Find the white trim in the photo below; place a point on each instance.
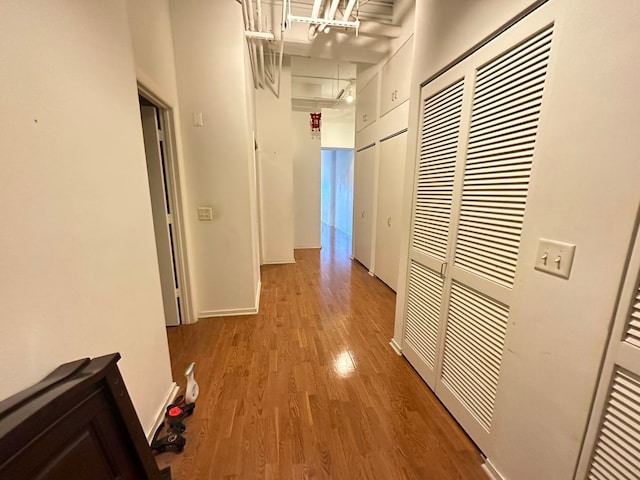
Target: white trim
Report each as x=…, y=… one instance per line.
x=258, y=292
x=396, y=346
x=176, y=189
x=231, y=312
x=371, y=273
x=278, y=262
x=491, y=470
x=173, y=392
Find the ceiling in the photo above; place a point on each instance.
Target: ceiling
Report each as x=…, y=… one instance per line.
x=369, y=45
x=320, y=84
x=375, y=10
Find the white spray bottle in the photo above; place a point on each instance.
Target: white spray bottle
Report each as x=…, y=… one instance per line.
x=192, y=390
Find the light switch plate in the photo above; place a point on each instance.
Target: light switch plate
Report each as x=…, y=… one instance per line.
x=197, y=119
x=205, y=214
x=555, y=257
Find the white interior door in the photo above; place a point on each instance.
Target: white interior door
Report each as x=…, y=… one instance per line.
x=612, y=447
x=390, y=180
x=363, y=190
x=478, y=129
x=162, y=218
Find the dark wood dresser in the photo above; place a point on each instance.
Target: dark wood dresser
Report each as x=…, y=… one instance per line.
x=77, y=423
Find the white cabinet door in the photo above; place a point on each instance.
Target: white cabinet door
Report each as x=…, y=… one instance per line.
x=396, y=78
x=363, y=204
x=367, y=104
x=390, y=181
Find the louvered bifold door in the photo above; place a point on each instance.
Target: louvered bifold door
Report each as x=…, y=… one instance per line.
x=506, y=106
x=612, y=446
x=476, y=148
x=439, y=152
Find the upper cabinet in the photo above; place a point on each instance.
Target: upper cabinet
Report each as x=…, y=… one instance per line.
x=367, y=104
x=396, y=78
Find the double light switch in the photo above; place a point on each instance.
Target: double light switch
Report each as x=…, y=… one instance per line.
x=554, y=257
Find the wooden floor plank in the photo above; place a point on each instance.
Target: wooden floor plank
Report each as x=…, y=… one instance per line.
x=310, y=388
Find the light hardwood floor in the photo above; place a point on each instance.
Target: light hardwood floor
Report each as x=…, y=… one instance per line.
x=310, y=388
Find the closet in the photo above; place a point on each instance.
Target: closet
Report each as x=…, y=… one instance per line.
x=393, y=151
x=367, y=105
x=476, y=145
x=611, y=449
x=363, y=192
x=396, y=75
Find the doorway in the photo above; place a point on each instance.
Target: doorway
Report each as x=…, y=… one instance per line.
x=163, y=187
x=336, y=189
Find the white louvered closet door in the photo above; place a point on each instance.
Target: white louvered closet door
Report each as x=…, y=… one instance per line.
x=469, y=205
x=612, y=447
x=505, y=112
x=439, y=155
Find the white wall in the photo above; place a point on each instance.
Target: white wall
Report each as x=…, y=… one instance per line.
x=306, y=183
x=338, y=128
x=79, y=274
x=211, y=77
x=583, y=191
x=275, y=171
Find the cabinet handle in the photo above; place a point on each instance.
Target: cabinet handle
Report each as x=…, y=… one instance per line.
x=362, y=214
x=443, y=269
x=389, y=221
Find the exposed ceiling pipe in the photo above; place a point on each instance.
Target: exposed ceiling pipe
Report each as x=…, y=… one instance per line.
x=266, y=61
x=250, y=46
x=348, y=10
x=282, y=28
x=330, y=16
x=315, y=12
x=252, y=25
x=261, y=75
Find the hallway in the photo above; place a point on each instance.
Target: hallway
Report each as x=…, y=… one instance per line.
x=310, y=388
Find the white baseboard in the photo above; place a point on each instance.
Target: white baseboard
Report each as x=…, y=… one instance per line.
x=258, y=292
x=307, y=247
x=491, y=470
x=396, y=346
x=278, y=262
x=173, y=392
x=371, y=273
x=232, y=312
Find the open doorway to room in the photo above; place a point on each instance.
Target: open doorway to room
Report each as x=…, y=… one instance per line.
x=336, y=191
x=162, y=172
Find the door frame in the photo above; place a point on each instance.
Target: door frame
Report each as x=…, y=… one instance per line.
x=174, y=190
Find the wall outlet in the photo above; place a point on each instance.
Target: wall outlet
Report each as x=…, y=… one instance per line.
x=205, y=214
x=555, y=257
